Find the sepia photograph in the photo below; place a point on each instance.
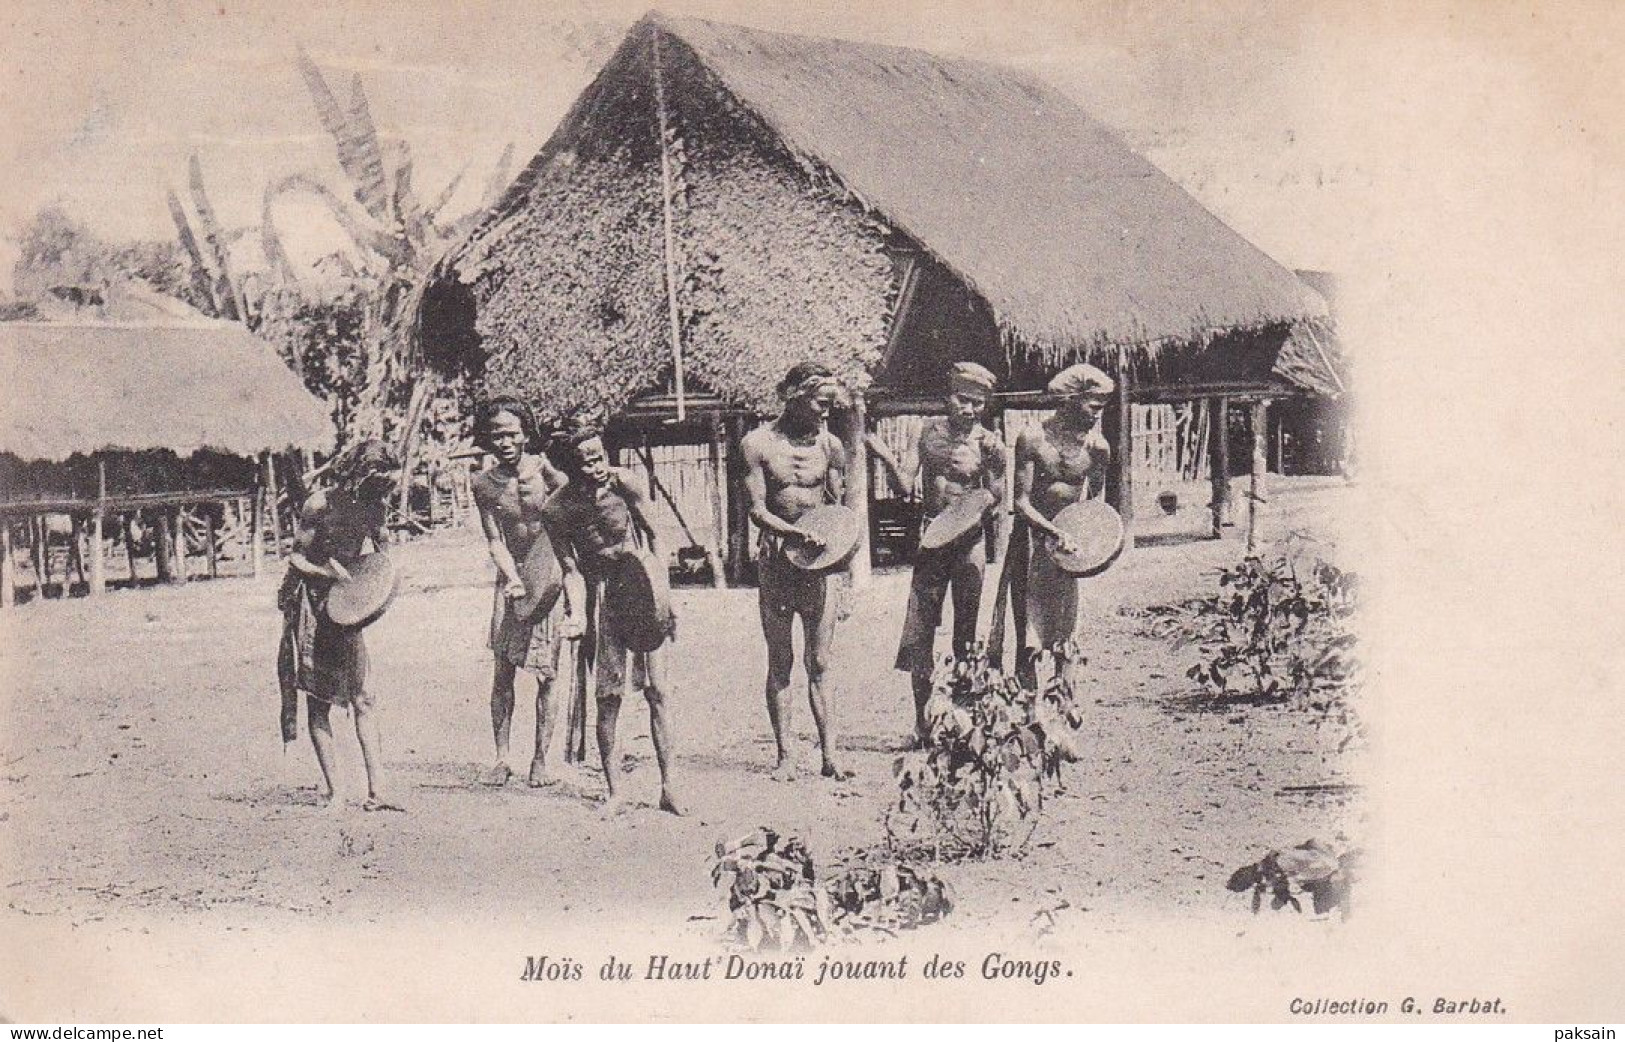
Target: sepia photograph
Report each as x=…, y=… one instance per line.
x=948, y=511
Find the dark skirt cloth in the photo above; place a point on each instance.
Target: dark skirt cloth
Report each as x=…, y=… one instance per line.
x=317, y=657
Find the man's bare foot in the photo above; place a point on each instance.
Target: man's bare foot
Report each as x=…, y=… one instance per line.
x=497, y=776
x=614, y=804
x=669, y=804
x=784, y=770
x=831, y=771
x=376, y=803
x=328, y=801
x=539, y=778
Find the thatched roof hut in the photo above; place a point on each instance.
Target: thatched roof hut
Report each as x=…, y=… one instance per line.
x=133, y=405
x=82, y=387
x=788, y=191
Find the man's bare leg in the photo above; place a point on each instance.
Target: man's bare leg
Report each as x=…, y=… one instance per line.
x=609, y=714
x=321, y=739
x=819, y=634
x=781, y=659
x=660, y=732
x=502, y=700
x=921, y=680
x=546, y=710
x=372, y=757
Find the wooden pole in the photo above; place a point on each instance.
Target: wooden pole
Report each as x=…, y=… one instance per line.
x=668, y=191
x=7, y=578
x=738, y=560
x=1255, y=496
x=212, y=545
x=42, y=555
x=1219, y=462
x=163, y=544
x=181, y=574
x=271, y=504
x=98, y=564
x=1118, y=427
x=76, y=555
x=127, y=527
x=256, y=537
x=857, y=487
x=719, y=511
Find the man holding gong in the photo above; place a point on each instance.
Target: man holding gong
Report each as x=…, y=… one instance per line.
x=794, y=466
x=323, y=657
x=1061, y=463
x=961, y=466
x=596, y=521
x=510, y=495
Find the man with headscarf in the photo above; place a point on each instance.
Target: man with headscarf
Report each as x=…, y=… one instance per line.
x=1061, y=463
x=794, y=464
x=958, y=457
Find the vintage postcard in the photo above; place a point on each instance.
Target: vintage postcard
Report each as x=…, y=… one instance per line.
x=940, y=511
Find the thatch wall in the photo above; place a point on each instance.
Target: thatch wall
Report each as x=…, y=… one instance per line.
x=774, y=267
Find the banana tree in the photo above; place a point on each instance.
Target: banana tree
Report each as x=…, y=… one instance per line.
x=397, y=239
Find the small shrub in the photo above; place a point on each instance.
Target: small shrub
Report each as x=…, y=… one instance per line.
x=778, y=903
x=1310, y=869
x=976, y=789
x=1269, y=635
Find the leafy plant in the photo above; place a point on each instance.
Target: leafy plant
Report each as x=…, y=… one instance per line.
x=1269, y=635
x=777, y=901
x=976, y=788
x=1311, y=869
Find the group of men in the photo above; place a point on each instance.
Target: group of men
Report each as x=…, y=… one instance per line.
x=595, y=515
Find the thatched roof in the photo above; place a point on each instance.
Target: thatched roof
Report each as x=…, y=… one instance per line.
x=169, y=383
x=1072, y=238
x=1077, y=244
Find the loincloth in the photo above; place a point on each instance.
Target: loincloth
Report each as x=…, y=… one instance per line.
x=531, y=645
x=959, y=568
x=784, y=589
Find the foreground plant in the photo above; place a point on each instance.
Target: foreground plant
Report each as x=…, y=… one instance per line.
x=1270, y=635
x=976, y=789
x=777, y=901
x=1311, y=869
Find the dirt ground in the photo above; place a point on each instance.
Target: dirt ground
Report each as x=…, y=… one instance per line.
x=142, y=775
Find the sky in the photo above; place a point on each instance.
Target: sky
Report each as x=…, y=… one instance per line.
x=103, y=102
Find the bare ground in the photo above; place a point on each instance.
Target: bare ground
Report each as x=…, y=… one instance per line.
x=142, y=775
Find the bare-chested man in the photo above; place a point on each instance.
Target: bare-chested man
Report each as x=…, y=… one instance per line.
x=958, y=457
x=1061, y=463
x=793, y=465
x=595, y=520
x=510, y=496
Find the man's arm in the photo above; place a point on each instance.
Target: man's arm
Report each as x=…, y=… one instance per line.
x=835, y=481
x=573, y=585
x=637, y=504
x=497, y=546
x=892, y=465
x=1100, y=459
x=993, y=457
